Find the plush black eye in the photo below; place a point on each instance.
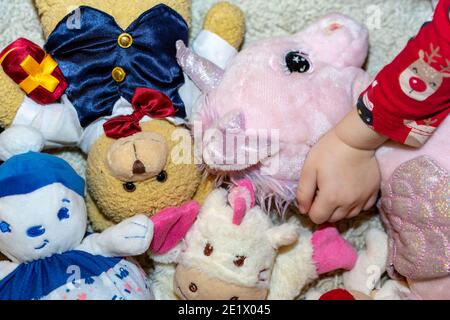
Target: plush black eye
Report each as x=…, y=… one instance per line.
x=415, y=70
x=234, y=298
x=129, y=187
x=193, y=287
x=297, y=62
x=162, y=176
x=208, y=250
x=239, y=261
x=433, y=84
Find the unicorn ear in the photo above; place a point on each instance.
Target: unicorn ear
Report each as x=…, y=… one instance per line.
x=338, y=40
x=283, y=235
x=241, y=198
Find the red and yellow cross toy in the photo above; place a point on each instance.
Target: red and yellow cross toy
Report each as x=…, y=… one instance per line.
x=35, y=71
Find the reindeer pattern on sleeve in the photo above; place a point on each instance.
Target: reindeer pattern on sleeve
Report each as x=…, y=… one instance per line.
x=410, y=97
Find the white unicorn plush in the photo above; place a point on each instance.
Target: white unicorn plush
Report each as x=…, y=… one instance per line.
x=234, y=251
x=42, y=226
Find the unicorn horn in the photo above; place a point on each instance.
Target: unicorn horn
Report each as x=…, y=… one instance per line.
x=205, y=74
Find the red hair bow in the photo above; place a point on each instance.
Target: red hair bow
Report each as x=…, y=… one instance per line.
x=146, y=102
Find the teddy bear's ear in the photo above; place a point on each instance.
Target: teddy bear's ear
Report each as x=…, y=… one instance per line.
x=338, y=40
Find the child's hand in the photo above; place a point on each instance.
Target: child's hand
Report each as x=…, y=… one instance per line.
x=340, y=177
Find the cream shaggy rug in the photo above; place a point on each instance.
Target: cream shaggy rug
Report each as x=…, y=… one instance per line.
x=391, y=24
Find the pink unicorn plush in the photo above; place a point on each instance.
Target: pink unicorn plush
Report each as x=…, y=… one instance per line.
x=259, y=118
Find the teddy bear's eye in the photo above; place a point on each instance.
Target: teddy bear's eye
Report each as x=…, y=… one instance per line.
x=5, y=227
x=297, y=62
x=162, y=176
x=129, y=187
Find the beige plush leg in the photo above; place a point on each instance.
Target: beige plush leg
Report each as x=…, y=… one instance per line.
x=228, y=22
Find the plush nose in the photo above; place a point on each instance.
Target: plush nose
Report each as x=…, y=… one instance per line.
x=138, y=157
x=417, y=84
x=138, y=167
x=35, y=231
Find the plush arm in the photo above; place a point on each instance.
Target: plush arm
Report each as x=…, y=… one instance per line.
x=6, y=268
x=131, y=237
x=371, y=263
x=58, y=122
x=294, y=268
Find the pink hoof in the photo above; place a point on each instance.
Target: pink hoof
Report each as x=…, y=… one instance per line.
x=331, y=251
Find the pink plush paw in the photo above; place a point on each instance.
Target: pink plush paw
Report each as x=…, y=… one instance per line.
x=171, y=225
x=331, y=251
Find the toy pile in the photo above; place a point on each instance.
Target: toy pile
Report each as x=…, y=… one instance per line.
x=158, y=120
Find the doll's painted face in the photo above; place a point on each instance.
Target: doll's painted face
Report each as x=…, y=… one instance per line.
x=49, y=220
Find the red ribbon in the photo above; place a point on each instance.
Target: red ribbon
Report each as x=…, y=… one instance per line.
x=146, y=102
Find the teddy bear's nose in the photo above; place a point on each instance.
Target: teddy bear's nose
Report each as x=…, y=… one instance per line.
x=35, y=231
x=137, y=158
x=138, y=167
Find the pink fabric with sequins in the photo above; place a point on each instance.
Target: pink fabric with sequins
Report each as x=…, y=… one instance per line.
x=416, y=211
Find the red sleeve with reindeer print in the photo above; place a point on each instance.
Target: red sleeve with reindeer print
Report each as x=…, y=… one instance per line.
x=410, y=97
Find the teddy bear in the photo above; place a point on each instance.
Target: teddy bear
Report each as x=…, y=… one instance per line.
x=95, y=56
x=261, y=115
x=43, y=234
x=234, y=251
x=143, y=173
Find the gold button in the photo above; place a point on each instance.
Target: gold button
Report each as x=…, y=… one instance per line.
x=125, y=40
x=118, y=74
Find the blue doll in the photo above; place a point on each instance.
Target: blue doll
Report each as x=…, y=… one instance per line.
x=42, y=232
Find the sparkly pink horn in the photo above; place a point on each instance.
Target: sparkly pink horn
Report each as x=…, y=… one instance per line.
x=205, y=74
x=241, y=199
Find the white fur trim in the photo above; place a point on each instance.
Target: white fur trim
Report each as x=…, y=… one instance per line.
x=212, y=47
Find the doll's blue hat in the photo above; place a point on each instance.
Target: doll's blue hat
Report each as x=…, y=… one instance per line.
x=25, y=173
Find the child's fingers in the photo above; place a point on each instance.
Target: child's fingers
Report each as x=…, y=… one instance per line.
x=354, y=212
x=321, y=209
x=371, y=202
x=339, y=214
x=306, y=189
